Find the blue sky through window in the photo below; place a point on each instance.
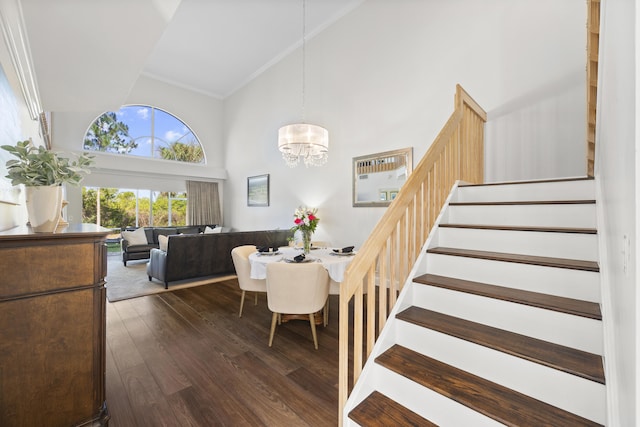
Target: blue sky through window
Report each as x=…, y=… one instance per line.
x=154, y=129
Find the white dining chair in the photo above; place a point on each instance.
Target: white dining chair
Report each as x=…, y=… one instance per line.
x=240, y=256
x=334, y=289
x=294, y=288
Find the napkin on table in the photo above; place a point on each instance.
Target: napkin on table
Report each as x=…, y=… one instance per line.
x=267, y=249
x=345, y=250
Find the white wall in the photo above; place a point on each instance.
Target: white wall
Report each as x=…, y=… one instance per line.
x=381, y=78
x=202, y=113
x=384, y=77
x=617, y=173
x=15, y=125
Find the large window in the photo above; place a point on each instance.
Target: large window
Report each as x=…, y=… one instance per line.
x=141, y=130
x=122, y=208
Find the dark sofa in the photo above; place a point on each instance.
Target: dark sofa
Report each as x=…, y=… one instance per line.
x=136, y=252
x=200, y=255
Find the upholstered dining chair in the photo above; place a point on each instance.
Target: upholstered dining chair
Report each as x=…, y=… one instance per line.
x=240, y=256
x=294, y=288
x=334, y=289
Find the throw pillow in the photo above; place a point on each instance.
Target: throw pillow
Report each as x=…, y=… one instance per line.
x=209, y=230
x=137, y=237
x=163, y=241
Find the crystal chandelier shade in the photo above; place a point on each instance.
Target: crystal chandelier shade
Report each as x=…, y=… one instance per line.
x=309, y=142
x=301, y=140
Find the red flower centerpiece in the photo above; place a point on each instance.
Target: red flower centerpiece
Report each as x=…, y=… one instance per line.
x=306, y=221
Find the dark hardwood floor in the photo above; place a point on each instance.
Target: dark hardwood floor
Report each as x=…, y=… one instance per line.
x=184, y=358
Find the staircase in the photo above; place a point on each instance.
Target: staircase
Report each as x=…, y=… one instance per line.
x=501, y=324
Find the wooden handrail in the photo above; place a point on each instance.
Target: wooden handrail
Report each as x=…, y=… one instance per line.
x=593, y=40
x=387, y=256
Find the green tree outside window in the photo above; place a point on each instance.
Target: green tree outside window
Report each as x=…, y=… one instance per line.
x=141, y=130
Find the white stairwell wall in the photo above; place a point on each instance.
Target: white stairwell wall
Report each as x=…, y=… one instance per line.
x=580, y=396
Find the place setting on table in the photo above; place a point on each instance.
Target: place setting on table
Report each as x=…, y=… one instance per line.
x=346, y=251
x=335, y=260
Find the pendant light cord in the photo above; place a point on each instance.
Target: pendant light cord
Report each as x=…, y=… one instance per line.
x=304, y=54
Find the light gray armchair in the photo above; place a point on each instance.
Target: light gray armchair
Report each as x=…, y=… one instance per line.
x=156, y=266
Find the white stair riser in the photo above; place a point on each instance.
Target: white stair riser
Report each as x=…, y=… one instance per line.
x=576, y=284
x=584, y=334
x=563, y=190
x=577, y=216
x=560, y=328
x=558, y=245
x=569, y=392
x=427, y=403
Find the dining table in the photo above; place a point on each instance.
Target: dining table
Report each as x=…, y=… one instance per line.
x=334, y=262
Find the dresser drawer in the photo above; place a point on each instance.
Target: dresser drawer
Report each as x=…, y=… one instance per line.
x=30, y=270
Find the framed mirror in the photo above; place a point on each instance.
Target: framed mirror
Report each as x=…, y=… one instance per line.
x=377, y=178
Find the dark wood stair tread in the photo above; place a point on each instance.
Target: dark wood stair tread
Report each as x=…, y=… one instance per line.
x=493, y=400
x=573, y=264
x=576, y=307
x=526, y=203
x=565, y=359
x=378, y=410
x=536, y=181
x=523, y=228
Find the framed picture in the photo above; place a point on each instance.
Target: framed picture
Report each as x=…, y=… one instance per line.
x=382, y=196
x=258, y=190
x=392, y=195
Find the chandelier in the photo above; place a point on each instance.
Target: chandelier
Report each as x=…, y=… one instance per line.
x=301, y=140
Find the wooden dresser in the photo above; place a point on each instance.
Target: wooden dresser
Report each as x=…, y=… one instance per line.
x=52, y=327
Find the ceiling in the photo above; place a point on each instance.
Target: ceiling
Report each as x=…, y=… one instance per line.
x=218, y=46
x=88, y=54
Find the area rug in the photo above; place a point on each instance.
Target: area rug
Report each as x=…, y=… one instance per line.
x=132, y=281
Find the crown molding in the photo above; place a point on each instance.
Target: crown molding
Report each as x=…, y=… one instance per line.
x=15, y=37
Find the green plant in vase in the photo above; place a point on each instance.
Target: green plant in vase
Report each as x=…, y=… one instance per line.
x=43, y=172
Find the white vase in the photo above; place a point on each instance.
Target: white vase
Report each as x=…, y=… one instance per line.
x=43, y=207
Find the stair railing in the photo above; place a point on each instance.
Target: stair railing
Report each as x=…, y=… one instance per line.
x=387, y=256
x=593, y=41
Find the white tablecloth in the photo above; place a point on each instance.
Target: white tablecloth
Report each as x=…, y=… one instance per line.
x=335, y=264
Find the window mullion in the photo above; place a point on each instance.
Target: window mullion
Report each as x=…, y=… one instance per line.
x=153, y=132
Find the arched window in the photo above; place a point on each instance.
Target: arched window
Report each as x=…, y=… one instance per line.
x=141, y=130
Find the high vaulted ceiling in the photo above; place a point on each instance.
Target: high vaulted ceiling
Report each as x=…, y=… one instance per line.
x=88, y=54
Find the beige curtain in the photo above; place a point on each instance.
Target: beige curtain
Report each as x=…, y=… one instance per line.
x=203, y=203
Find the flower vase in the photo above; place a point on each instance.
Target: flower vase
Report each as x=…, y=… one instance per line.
x=306, y=241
